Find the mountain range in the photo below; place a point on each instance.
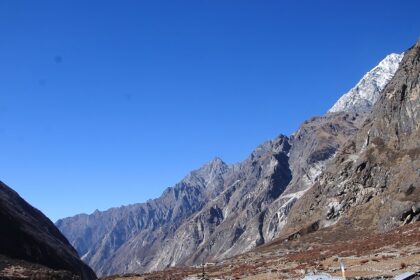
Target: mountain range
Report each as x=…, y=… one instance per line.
x=352, y=174
x=335, y=171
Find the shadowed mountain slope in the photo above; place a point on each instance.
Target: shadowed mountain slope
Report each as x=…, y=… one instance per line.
x=26, y=234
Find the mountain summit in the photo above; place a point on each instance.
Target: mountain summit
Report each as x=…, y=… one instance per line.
x=362, y=97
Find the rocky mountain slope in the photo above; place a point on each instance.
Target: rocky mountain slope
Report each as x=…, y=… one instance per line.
x=222, y=210
x=99, y=236
x=232, y=222
x=373, y=184
x=141, y=235
x=29, y=239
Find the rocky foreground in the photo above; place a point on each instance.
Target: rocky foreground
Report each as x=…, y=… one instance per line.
x=13, y=269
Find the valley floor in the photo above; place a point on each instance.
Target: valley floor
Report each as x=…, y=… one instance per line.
x=12, y=269
x=388, y=254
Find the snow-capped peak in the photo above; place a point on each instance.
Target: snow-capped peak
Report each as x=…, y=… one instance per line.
x=366, y=92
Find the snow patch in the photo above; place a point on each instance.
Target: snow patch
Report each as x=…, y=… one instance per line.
x=367, y=91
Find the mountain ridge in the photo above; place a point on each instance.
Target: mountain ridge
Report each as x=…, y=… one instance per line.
x=248, y=205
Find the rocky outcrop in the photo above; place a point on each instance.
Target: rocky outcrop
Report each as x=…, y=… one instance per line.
x=27, y=235
x=314, y=145
x=373, y=182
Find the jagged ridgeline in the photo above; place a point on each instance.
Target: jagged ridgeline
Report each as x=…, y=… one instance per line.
x=324, y=174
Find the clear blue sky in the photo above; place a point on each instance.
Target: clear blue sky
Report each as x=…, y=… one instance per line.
x=104, y=103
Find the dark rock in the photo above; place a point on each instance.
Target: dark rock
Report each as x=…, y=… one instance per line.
x=26, y=234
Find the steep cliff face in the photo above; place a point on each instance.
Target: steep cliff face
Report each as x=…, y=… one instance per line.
x=314, y=145
x=373, y=182
x=27, y=235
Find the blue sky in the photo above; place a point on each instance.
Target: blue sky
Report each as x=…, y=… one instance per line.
x=105, y=103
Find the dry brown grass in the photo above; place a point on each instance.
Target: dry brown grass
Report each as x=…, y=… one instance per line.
x=379, y=254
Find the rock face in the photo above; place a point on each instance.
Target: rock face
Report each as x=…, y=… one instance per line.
x=27, y=235
x=373, y=182
x=366, y=92
x=314, y=145
x=221, y=210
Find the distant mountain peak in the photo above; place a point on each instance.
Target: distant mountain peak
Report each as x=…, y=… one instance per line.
x=213, y=165
x=366, y=92
x=216, y=161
